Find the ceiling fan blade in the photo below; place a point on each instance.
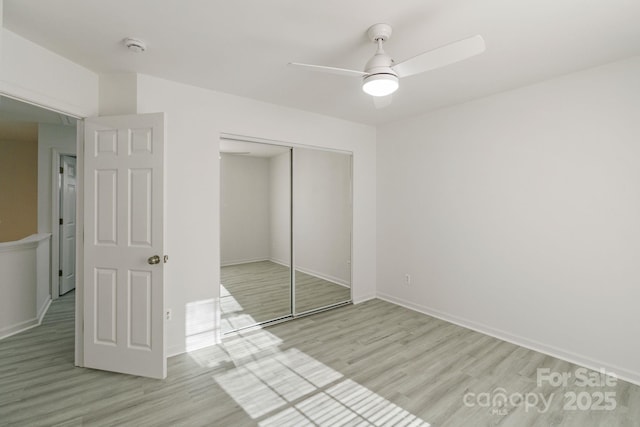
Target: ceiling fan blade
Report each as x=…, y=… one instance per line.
x=332, y=70
x=439, y=57
x=382, y=101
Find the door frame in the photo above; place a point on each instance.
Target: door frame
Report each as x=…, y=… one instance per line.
x=55, y=215
x=79, y=342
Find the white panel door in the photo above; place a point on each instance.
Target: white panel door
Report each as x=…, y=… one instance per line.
x=67, y=224
x=123, y=241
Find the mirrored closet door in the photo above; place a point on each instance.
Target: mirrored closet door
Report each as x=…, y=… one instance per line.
x=255, y=233
x=322, y=209
x=274, y=198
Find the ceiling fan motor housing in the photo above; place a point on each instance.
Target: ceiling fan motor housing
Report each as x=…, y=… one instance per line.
x=379, y=79
x=380, y=63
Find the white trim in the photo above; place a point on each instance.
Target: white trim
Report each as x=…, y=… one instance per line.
x=587, y=362
x=326, y=277
x=25, y=325
x=55, y=226
x=365, y=298
x=243, y=261
x=18, y=93
x=176, y=350
x=280, y=262
x=79, y=343
x=286, y=144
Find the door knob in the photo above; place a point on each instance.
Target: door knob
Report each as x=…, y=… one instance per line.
x=154, y=259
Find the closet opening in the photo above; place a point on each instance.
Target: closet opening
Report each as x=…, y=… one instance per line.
x=285, y=237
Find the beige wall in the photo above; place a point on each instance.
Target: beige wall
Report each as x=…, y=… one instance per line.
x=18, y=189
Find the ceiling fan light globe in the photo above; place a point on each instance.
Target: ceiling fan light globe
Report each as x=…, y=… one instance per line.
x=380, y=84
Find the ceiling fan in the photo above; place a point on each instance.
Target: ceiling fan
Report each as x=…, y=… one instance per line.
x=381, y=73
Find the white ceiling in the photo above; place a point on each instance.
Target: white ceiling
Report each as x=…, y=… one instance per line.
x=242, y=46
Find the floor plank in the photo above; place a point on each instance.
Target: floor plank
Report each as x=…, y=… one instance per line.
x=369, y=364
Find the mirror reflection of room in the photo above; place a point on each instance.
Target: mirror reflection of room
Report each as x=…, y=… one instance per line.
x=322, y=228
x=254, y=233
x=257, y=183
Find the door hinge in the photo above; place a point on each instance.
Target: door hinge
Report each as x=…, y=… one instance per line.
x=61, y=169
x=61, y=222
x=59, y=273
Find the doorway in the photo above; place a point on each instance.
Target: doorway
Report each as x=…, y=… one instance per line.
x=67, y=189
x=54, y=133
x=285, y=218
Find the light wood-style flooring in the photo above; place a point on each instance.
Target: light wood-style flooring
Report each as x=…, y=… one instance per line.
x=260, y=291
x=368, y=364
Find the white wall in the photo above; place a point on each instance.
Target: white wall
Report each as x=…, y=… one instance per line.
x=322, y=214
x=244, y=209
x=117, y=94
x=63, y=139
x=280, y=208
x=517, y=215
x=195, y=118
x=30, y=72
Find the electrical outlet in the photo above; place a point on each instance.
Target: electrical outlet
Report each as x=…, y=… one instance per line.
x=407, y=279
x=167, y=314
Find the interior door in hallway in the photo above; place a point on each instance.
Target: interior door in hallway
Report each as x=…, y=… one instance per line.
x=67, y=224
x=124, y=244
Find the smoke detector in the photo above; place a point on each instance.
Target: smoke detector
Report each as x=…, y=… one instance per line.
x=135, y=45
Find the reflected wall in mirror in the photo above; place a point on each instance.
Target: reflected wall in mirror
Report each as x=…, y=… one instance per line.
x=322, y=221
x=255, y=234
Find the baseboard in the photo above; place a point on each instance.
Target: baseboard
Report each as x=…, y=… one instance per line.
x=43, y=310
x=328, y=278
x=194, y=346
x=175, y=350
x=365, y=298
x=8, y=331
x=322, y=276
x=279, y=262
x=596, y=365
x=242, y=261
x=25, y=325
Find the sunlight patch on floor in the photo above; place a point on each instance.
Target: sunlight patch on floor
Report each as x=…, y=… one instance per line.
x=239, y=349
x=291, y=388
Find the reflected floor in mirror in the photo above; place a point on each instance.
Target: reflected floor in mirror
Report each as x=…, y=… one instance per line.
x=256, y=292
